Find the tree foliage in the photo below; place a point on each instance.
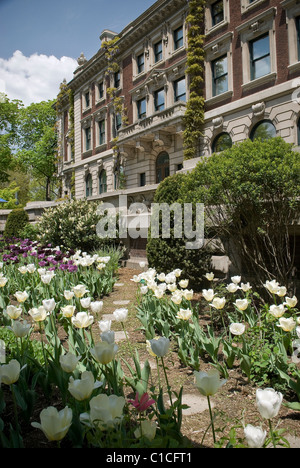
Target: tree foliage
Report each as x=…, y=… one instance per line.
x=9, y=111
x=37, y=142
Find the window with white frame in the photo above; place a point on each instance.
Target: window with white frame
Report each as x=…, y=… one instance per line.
x=178, y=38
x=218, y=68
x=180, y=90
x=159, y=100
x=258, y=46
x=102, y=133
x=216, y=15
x=100, y=90
x=88, y=138
x=141, y=108
x=292, y=8
x=220, y=75
x=140, y=63
x=158, y=51
x=86, y=100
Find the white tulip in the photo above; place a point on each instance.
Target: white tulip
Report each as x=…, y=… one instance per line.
x=236, y=279
x=237, y=329
x=268, y=402
x=49, y=304
x=291, y=301
x=120, y=314
x=208, y=294
x=255, y=436
x=218, y=303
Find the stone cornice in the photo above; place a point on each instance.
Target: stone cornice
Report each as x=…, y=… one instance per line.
x=133, y=32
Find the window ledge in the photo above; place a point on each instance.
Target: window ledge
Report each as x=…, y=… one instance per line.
x=251, y=6
x=101, y=148
x=259, y=81
x=220, y=97
x=216, y=27
x=294, y=67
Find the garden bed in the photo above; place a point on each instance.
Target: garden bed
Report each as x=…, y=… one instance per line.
x=234, y=405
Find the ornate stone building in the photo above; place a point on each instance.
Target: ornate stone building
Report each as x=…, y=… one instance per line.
x=252, y=88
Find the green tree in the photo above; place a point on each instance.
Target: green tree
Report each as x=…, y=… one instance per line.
x=38, y=144
x=9, y=111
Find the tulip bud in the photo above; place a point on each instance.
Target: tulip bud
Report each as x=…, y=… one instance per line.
x=255, y=436
x=160, y=346
x=208, y=383
x=69, y=362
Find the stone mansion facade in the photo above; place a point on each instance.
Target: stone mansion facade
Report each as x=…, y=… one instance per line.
x=252, y=88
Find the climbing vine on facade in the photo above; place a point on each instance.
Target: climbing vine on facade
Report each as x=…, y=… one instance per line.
x=111, y=50
x=194, y=116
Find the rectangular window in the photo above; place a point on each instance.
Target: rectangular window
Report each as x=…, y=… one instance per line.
x=217, y=12
x=101, y=132
x=220, y=76
x=140, y=63
x=101, y=89
x=158, y=51
x=143, y=179
x=87, y=99
x=159, y=100
x=88, y=139
x=141, y=108
x=178, y=38
x=298, y=36
x=260, y=57
x=118, y=123
x=117, y=79
x=180, y=90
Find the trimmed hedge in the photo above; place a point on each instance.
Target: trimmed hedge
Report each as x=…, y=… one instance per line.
x=166, y=255
x=16, y=221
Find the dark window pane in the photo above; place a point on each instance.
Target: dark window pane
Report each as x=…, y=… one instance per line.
x=180, y=90
x=178, y=38
x=260, y=57
x=159, y=100
x=222, y=142
x=217, y=12
x=263, y=130
x=220, y=76
x=158, y=51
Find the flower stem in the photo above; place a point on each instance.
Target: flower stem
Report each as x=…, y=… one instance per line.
x=272, y=433
x=211, y=418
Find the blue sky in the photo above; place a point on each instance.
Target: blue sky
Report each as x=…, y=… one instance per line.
x=40, y=40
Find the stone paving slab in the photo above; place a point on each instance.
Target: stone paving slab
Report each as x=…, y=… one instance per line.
x=197, y=404
x=123, y=303
x=108, y=317
x=120, y=336
x=119, y=285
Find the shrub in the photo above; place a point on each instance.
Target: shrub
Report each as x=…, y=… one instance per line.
x=72, y=224
x=251, y=195
x=16, y=221
x=169, y=254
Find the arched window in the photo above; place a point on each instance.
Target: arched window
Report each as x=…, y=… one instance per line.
x=222, y=142
x=263, y=130
x=89, y=185
x=102, y=182
x=162, y=167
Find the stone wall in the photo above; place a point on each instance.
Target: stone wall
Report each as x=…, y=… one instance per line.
x=33, y=209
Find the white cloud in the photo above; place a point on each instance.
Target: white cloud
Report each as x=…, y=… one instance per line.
x=35, y=78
